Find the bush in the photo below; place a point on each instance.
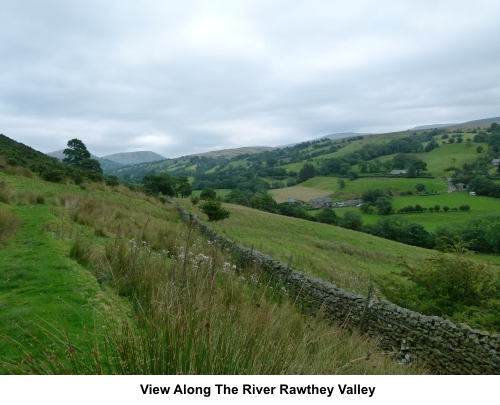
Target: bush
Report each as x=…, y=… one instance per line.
x=214, y=210
x=445, y=285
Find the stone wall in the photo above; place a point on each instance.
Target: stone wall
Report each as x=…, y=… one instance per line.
x=448, y=348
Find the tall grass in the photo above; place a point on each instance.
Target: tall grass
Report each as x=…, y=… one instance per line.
x=7, y=196
x=193, y=314
x=9, y=223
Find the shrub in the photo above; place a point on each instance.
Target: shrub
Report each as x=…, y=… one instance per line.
x=194, y=199
x=214, y=210
x=445, y=285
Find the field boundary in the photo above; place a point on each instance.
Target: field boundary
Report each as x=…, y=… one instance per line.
x=447, y=347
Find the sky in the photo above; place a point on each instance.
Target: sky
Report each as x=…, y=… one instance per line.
x=184, y=77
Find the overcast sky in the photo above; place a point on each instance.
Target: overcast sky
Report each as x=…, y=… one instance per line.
x=182, y=77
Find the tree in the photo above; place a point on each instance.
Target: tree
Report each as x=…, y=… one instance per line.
x=91, y=165
x=420, y=187
x=352, y=220
x=182, y=187
x=214, y=210
x=412, y=171
x=341, y=183
x=419, y=166
x=160, y=183
x=76, y=153
x=384, y=206
x=327, y=216
x=208, y=194
x=307, y=172
x=479, y=149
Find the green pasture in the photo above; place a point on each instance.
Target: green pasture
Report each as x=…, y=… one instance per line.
x=480, y=206
x=346, y=258
x=450, y=154
x=302, y=193
x=357, y=187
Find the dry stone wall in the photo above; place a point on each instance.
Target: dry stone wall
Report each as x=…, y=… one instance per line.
x=448, y=348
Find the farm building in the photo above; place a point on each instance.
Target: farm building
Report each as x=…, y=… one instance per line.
x=461, y=186
x=353, y=203
x=294, y=201
x=495, y=162
x=398, y=171
x=321, y=202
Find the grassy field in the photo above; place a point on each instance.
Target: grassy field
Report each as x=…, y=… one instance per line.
x=448, y=155
x=357, y=187
x=302, y=193
x=346, y=258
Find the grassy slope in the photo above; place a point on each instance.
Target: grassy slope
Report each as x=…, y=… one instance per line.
x=46, y=287
x=447, y=155
x=346, y=258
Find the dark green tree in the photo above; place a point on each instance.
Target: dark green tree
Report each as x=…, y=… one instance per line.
x=419, y=166
x=420, y=187
x=307, y=172
x=75, y=153
x=384, y=206
x=160, y=183
x=352, y=220
x=327, y=216
x=182, y=187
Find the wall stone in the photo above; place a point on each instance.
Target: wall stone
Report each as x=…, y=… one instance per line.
x=447, y=347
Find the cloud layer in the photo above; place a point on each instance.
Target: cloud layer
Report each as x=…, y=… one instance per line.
x=186, y=77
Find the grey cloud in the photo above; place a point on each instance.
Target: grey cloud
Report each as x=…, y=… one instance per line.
x=187, y=77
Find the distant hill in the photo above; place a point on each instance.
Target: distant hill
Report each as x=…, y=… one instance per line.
x=331, y=136
x=484, y=121
x=132, y=158
x=432, y=126
x=229, y=153
x=106, y=164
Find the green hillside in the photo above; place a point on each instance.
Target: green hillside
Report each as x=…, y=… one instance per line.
x=81, y=267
